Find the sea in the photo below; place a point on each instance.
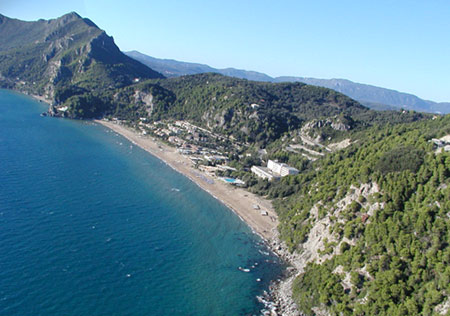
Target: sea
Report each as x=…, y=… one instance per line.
x=91, y=224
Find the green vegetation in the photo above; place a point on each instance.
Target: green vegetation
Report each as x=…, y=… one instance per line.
x=251, y=111
x=400, y=159
x=399, y=264
x=262, y=112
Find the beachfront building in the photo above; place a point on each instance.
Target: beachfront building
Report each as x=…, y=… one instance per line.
x=263, y=172
x=281, y=169
x=174, y=129
x=274, y=170
x=175, y=140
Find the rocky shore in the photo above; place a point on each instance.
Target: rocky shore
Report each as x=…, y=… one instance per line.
x=278, y=300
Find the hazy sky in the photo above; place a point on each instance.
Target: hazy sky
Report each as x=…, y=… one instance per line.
x=399, y=44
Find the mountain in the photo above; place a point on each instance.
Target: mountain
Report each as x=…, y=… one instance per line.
x=371, y=96
x=173, y=68
x=78, y=67
x=63, y=57
x=170, y=67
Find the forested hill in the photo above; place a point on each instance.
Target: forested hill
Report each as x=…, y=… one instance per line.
x=248, y=111
x=253, y=111
x=373, y=222
x=371, y=96
x=261, y=111
x=63, y=57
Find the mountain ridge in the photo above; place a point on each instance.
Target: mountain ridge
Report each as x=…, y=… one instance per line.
x=369, y=95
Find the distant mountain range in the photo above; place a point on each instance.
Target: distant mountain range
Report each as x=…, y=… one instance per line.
x=374, y=97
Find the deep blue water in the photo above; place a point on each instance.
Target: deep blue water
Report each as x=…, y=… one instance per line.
x=92, y=225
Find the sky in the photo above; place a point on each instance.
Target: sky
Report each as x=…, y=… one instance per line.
x=399, y=44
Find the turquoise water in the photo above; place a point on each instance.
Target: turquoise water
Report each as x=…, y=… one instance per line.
x=93, y=225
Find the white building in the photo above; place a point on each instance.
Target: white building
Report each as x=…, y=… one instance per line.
x=443, y=143
x=174, y=129
x=274, y=166
x=281, y=169
x=263, y=172
x=287, y=171
x=274, y=170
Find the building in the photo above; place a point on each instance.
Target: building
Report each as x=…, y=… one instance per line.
x=224, y=167
x=215, y=158
x=281, y=169
x=175, y=140
x=274, y=170
x=442, y=144
x=287, y=171
x=173, y=129
x=263, y=172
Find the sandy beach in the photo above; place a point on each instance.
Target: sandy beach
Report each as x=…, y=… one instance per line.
x=237, y=199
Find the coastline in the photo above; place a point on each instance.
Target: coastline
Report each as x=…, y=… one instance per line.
x=279, y=299
x=237, y=199
x=240, y=201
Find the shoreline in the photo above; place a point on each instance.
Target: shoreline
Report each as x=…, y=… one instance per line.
x=239, y=200
x=279, y=299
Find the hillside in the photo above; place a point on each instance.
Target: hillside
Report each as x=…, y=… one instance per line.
x=370, y=225
x=63, y=57
x=248, y=111
x=374, y=97
x=260, y=111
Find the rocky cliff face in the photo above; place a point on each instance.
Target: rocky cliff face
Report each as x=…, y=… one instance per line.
x=69, y=53
x=322, y=244
x=146, y=99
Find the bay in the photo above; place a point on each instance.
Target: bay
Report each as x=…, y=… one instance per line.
x=92, y=225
